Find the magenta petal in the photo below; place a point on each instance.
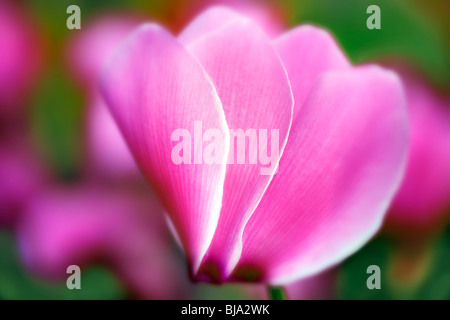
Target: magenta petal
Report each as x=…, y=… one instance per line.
x=154, y=87
x=342, y=165
x=307, y=52
x=255, y=93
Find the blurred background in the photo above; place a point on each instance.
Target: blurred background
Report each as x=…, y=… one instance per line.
x=70, y=192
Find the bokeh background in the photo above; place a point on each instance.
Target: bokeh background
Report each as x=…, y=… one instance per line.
x=70, y=193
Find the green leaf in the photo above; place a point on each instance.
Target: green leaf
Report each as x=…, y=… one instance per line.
x=404, y=32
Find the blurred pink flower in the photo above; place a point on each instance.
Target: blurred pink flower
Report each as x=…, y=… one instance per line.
x=21, y=176
x=20, y=57
x=340, y=167
x=424, y=196
x=87, y=53
x=79, y=226
x=90, y=47
x=321, y=286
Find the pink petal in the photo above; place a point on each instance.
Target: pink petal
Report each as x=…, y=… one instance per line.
x=154, y=87
x=255, y=93
x=307, y=52
x=342, y=165
x=425, y=192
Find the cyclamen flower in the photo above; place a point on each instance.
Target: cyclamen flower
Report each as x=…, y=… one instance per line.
x=20, y=57
x=424, y=195
x=343, y=143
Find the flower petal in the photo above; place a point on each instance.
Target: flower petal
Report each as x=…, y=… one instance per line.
x=307, y=52
x=342, y=165
x=256, y=96
x=154, y=87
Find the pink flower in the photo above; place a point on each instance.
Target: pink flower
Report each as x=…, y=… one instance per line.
x=78, y=226
x=343, y=143
x=424, y=195
x=21, y=176
x=20, y=57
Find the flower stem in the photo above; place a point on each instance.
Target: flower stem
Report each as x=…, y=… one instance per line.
x=277, y=293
